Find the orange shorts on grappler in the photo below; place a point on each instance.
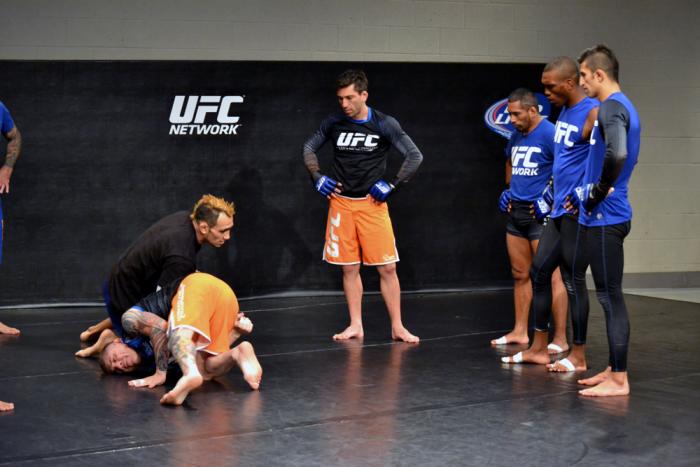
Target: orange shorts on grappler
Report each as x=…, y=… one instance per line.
x=359, y=230
x=207, y=306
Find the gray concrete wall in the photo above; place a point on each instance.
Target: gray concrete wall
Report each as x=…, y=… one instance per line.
x=657, y=43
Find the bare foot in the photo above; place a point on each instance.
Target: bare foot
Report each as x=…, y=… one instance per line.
x=566, y=365
x=249, y=365
x=597, y=379
x=351, y=332
x=511, y=338
x=85, y=336
x=84, y=353
x=91, y=332
x=4, y=329
x=402, y=334
x=613, y=386
x=528, y=356
x=183, y=387
x=6, y=406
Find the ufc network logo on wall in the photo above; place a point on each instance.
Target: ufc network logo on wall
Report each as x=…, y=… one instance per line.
x=204, y=115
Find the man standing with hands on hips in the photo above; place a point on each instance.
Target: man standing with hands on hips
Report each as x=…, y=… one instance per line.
x=358, y=227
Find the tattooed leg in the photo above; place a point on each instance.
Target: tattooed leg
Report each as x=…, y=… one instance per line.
x=143, y=323
x=182, y=347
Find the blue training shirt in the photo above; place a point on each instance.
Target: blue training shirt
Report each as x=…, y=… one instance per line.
x=531, y=156
x=570, y=152
x=615, y=110
x=6, y=122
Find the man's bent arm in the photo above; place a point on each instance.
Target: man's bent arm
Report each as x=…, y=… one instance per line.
x=14, y=146
x=313, y=144
x=143, y=323
x=406, y=147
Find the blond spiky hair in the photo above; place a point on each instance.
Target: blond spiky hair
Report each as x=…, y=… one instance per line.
x=209, y=207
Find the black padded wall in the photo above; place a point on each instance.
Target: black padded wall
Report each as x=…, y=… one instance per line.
x=98, y=166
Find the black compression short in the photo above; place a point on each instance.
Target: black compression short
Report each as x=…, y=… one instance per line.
x=521, y=222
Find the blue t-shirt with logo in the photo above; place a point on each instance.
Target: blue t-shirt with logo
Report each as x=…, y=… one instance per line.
x=616, y=110
x=531, y=156
x=570, y=152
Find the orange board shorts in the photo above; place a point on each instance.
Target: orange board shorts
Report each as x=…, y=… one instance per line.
x=207, y=306
x=359, y=230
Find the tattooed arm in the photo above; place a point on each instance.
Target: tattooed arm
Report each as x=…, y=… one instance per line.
x=143, y=323
x=13, y=148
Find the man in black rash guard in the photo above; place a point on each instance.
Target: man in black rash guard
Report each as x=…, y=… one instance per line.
x=163, y=254
x=359, y=228
x=605, y=211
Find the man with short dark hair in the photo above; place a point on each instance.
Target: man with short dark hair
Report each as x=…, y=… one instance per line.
x=527, y=200
x=161, y=256
x=605, y=212
x=561, y=237
x=359, y=228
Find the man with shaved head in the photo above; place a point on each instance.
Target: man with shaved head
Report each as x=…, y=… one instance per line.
x=561, y=236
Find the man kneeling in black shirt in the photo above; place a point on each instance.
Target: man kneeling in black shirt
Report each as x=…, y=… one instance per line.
x=162, y=255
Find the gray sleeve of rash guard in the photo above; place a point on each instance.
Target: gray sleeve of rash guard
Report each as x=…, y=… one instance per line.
x=312, y=145
x=406, y=147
